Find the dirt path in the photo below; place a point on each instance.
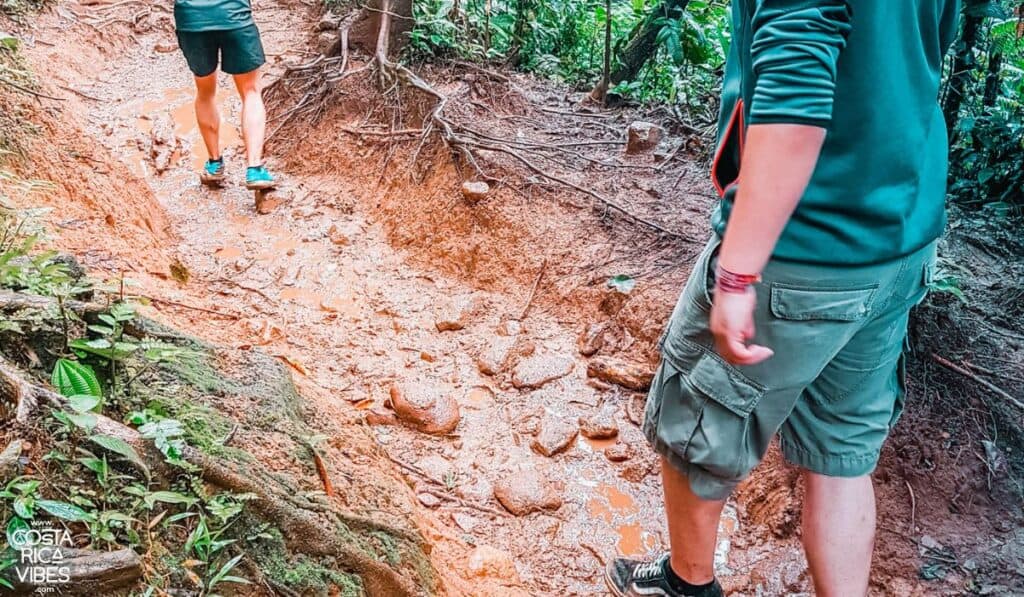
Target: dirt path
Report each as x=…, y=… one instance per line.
x=317, y=282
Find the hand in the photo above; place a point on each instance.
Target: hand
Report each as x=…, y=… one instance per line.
x=732, y=324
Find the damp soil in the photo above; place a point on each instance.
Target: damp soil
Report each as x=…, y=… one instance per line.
x=351, y=275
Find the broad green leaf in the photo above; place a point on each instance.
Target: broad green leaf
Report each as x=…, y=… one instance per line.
x=73, y=378
x=168, y=497
x=83, y=402
x=119, y=446
x=24, y=507
x=16, y=524
x=86, y=421
x=65, y=510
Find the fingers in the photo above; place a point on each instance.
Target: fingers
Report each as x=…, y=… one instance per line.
x=736, y=352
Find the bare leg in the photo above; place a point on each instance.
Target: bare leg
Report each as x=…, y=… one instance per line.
x=254, y=116
x=839, y=533
x=692, y=526
x=207, y=115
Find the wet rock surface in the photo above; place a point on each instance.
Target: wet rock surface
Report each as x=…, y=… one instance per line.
x=630, y=375
x=555, y=436
x=642, y=136
x=600, y=425
x=426, y=407
x=475, y=191
x=538, y=369
x=494, y=563
x=591, y=340
x=527, y=490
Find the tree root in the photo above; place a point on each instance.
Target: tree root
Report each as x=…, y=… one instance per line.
x=88, y=572
x=314, y=531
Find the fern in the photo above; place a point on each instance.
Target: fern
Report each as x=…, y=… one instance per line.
x=72, y=378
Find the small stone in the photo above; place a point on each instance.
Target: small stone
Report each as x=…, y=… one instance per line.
x=429, y=408
x=327, y=43
x=492, y=358
x=435, y=467
x=328, y=22
x=622, y=373
x=465, y=521
x=475, y=191
x=338, y=236
x=454, y=317
x=618, y=452
x=642, y=136
x=525, y=490
x=376, y=417
x=600, y=425
x=535, y=371
x=556, y=435
x=429, y=500
x=489, y=562
x=591, y=340
x=165, y=47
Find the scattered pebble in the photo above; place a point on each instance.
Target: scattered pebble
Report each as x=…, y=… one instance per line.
x=633, y=376
x=526, y=490
x=535, y=371
x=555, y=436
x=428, y=408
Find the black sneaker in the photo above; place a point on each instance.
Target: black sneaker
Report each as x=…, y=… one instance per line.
x=633, y=578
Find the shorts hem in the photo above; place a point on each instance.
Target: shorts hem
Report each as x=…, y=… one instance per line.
x=831, y=465
x=703, y=485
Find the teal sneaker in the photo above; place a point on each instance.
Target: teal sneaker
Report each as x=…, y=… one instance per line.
x=213, y=173
x=258, y=178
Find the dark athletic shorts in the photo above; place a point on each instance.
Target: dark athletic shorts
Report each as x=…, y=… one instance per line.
x=238, y=51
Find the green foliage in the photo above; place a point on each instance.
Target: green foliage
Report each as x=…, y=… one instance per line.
x=73, y=378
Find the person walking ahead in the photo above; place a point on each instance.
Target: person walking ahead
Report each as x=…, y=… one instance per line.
x=223, y=31
x=831, y=165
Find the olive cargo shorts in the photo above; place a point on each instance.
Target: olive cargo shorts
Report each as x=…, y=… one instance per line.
x=833, y=389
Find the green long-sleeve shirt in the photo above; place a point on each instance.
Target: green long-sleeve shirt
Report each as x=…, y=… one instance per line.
x=868, y=72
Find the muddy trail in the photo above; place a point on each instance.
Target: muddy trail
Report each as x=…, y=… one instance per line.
x=476, y=347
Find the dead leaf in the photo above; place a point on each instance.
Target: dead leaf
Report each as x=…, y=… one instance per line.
x=179, y=272
x=294, y=364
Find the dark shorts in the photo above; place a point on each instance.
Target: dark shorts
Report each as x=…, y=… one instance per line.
x=238, y=51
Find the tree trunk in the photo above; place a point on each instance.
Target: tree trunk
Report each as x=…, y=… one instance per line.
x=600, y=93
x=993, y=81
x=963, y=65
x=642, y=43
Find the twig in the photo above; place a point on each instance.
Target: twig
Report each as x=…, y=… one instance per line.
x=461, y=502
x=321, y=470
x=913, y=507
x=81, y=93
x=192, y=307
x=533, y=291
x=29, y=91
x=995, y=389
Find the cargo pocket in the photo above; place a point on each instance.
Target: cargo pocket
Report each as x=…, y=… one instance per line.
x=708, y=426
x=829, y=304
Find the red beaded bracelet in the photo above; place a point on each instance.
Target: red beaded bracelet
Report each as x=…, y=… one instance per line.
x=728, y=281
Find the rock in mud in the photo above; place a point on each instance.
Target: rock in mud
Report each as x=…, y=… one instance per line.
x=428, y=408
x=533, y=372
x=435, y=467
x=480, y=490
x=633, y=376
x=526, y=490
x=341, y=235
x=429, y=500
x=163, y=143
x=328, y=22
x=600, y=425
x=486, y=561
x=455, y=316
x=591, y=340
x=328, y=43
x=555, y=436
x=475, y=191
x=642, y=136
x=379, y=417
x=493, y=357
x=618, y=452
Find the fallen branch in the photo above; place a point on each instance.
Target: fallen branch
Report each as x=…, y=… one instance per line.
x=533, y=291
x=992, y=387
x=87, y=572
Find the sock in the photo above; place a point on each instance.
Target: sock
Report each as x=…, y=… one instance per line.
x=218, y=160
x=681, y=586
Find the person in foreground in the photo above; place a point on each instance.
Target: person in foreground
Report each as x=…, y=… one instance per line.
x=223, y=31
x=831, y=165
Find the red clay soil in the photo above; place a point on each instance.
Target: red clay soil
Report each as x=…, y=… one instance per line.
x=368, y=255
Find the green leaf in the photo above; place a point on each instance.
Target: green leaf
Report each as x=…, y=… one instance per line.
x=24, y=507
x=65, y=510
x=8, y=41
x=622, y=283
x=169, y=497
x=119, y=446
x=85, y=421
x=73, y=378
x=83, y=402
x=16, y=524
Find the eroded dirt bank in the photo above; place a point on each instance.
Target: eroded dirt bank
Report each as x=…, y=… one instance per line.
x=381, y=288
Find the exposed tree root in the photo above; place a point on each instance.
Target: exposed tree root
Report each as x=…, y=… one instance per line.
x=310, y=527
x=88, y=572
x=312, y=83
